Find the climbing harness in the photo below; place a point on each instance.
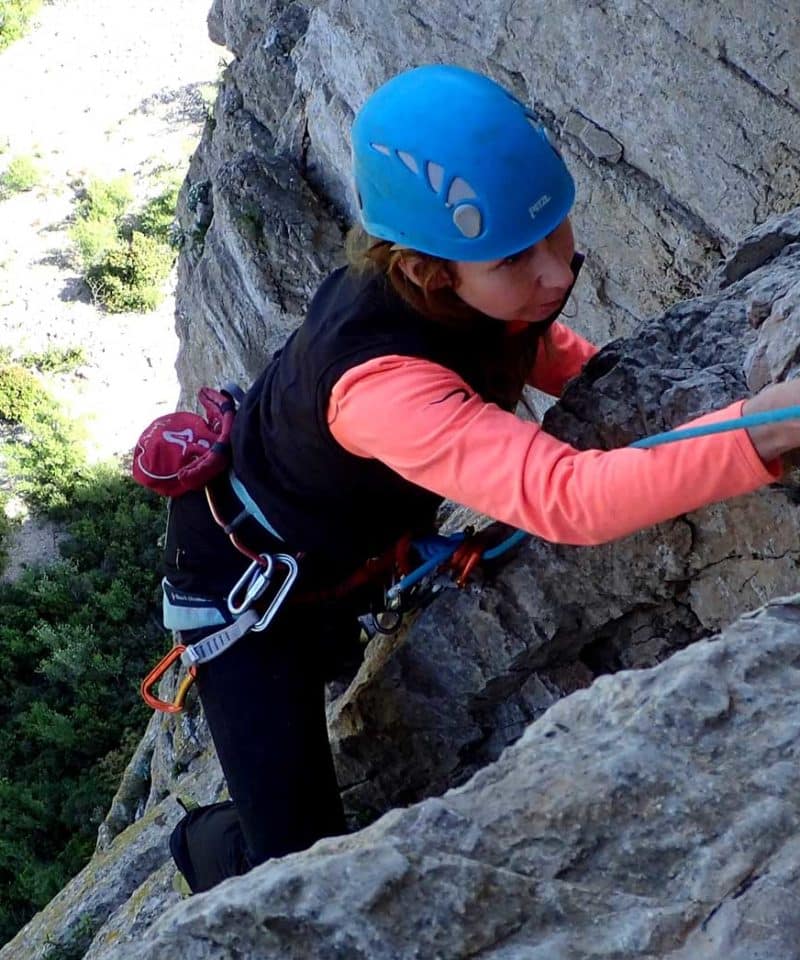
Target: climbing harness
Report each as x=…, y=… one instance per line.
x=182, y=452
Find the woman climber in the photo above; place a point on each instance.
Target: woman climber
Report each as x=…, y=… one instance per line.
x=397, y=391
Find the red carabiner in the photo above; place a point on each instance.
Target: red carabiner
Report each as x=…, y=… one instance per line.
x=157, y=673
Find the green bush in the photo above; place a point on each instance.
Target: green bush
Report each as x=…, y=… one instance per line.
x=106, y=199
x=100, y=214
x=129, y=276
x=125, y=258
x=14, y=18
x=45, y=460
x=22, y=397
x=157, y=217
x=55, y=359
x=93, y=239
x=6, y=525
x=21, y=174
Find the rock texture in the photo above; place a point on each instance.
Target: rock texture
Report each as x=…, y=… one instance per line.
x=656, y=815
x=679, y=119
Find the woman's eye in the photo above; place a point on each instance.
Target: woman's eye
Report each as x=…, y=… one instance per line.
x=510, y=261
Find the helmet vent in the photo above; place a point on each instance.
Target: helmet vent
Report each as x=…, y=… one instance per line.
x=460, y=190
x=380, y=148
x=435, y=172
x=468, y=220
x=408, y=160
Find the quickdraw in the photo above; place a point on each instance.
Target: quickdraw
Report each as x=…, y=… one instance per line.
x=241, y=599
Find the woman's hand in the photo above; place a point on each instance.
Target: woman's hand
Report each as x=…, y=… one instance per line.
x=773, y=439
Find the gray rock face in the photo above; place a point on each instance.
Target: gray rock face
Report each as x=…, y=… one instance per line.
x=655, y=815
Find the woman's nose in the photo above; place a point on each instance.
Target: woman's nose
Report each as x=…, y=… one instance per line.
x=550, y=268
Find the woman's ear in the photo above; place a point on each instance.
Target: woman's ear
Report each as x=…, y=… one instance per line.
x=414, y=268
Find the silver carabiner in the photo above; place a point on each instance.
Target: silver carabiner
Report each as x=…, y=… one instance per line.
x=291, y=575
x=254, y=581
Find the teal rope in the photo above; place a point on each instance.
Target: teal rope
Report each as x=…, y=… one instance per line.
x=451, y=544
x=724, y=426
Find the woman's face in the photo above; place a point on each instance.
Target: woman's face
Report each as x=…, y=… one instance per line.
x=527, y=287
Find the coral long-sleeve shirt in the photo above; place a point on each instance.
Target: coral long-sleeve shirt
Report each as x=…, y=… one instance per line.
x=425, y=423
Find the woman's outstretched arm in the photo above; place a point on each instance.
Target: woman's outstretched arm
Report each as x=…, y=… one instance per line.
x=424, y=422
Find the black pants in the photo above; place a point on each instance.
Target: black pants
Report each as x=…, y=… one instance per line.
x=264, y=700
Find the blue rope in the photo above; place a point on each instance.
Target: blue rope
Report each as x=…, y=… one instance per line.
x=449, y=545
x=724, y=426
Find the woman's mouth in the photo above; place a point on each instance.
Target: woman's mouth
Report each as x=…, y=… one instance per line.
x=543, y=310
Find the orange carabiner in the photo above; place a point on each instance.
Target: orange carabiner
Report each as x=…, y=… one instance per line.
x=464, y=561
x=157, y=673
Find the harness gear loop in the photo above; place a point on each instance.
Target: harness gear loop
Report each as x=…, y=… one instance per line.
x=157, y=673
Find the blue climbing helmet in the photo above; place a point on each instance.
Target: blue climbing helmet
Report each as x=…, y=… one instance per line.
x=449, y=163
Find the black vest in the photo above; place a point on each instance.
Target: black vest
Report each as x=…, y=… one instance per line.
x=319, y=497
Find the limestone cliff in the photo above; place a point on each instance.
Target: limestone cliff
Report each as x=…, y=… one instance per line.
x=656, y=815
x=650, y=814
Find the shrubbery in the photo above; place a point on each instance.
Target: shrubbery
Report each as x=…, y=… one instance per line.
x=55, y=359
x=100, y=214
x=125, y=257
x=129, y=275
x=21, y=395
x=14, y=18
x=21, y=174
x=76, y=637
x=43, y=455
x=157, y=218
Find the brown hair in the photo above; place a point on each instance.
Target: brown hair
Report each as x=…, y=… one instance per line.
x=441, y=304
x=508, y=372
